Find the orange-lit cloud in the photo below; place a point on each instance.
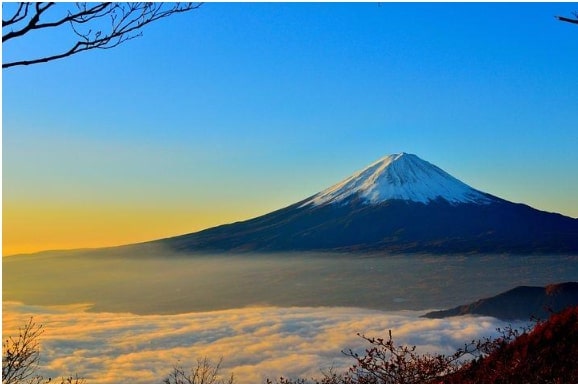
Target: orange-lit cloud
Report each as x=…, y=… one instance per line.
x=255, y=343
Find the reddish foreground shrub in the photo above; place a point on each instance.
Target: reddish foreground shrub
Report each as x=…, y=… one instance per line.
x=547, y=354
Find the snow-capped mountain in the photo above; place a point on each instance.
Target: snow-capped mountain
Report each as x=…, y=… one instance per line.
x=400, y=203
x=400, y=177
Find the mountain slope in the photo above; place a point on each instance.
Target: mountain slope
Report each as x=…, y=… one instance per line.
x=520, y=303
x=398, y=204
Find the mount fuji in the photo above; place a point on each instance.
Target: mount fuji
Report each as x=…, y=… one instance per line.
x=399, y=203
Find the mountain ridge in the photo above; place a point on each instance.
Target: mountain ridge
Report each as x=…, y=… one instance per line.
x=519, y=303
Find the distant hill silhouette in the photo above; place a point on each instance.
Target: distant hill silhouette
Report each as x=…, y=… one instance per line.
x=520, y=303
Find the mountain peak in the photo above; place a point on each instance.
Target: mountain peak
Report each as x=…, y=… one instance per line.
x=401, y=176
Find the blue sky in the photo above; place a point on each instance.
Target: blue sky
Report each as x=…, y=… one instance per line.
x=235, y=109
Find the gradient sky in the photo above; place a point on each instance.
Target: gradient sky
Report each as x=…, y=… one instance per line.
x=234, y=110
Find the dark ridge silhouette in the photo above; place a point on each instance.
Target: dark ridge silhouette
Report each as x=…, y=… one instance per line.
x=520, y=303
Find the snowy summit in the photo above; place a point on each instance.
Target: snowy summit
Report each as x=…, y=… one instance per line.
x=400, y=176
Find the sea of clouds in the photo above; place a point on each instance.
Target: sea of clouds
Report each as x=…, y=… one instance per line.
x=255, y=342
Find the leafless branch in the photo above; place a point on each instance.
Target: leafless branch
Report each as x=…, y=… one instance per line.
x=20, y=355
x=205, y=372
x=125, y=23
x=569, y=20
x=19, y=15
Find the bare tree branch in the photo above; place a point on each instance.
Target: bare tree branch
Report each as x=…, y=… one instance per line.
x=19, y=15
x=205, y=372
x=20, y=355
x=82, y=16
x=568, y=20
x=32, y=23
x=125, y=23
x=573, y=21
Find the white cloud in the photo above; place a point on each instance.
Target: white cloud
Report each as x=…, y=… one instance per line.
x=255, y=343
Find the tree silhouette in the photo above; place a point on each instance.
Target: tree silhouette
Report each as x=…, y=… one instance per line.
x=92, y=25
x=385, y=362
x=205, y=372
x=20, y=355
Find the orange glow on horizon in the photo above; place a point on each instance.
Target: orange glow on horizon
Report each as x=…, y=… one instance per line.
x=28, y=228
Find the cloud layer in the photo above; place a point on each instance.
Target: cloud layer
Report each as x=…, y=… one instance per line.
x=255, y=343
